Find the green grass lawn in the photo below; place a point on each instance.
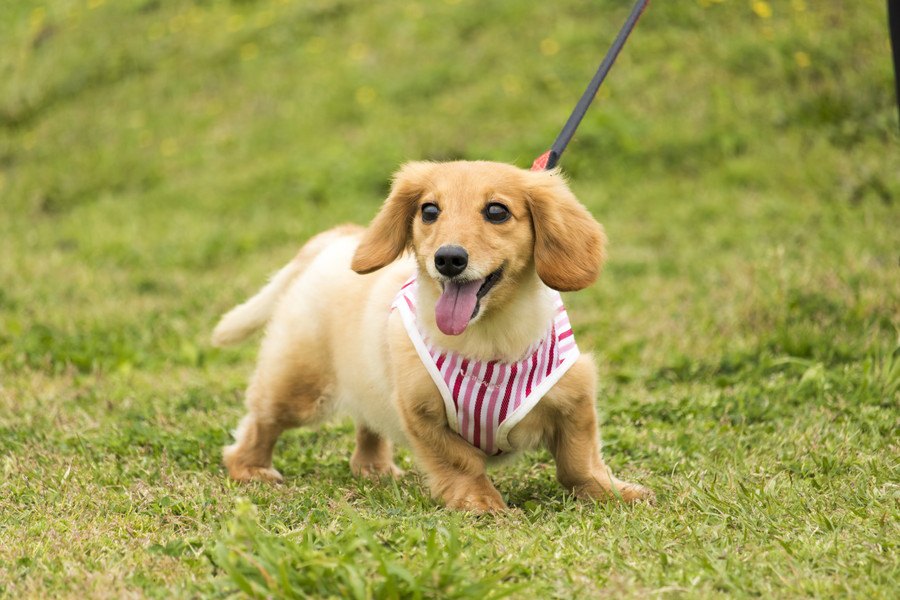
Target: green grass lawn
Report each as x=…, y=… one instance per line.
x=158, y=159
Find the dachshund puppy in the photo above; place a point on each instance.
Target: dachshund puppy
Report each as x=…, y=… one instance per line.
x=440, y=326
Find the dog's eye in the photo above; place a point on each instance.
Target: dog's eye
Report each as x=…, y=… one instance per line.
x=496, y=213
x=430, y=212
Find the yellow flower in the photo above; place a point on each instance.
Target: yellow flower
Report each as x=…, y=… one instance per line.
x=512, y=85
x=549, y=46
x=235, y=23
x=802, y=59
x=762, y=9
x=38, y=15
x=366, y=95
x=168, y=147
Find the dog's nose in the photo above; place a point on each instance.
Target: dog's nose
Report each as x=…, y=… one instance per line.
x=451, y=260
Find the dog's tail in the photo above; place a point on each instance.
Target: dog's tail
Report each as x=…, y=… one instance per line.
x=244, y=319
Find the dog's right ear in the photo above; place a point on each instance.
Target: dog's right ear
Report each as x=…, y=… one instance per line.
x=388, y=234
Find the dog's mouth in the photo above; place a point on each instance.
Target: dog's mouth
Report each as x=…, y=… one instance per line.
x=460, y=302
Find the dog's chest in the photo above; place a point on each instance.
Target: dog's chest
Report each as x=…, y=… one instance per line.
x=485, y=400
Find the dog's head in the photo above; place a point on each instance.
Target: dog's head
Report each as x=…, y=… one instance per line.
x=477, y=228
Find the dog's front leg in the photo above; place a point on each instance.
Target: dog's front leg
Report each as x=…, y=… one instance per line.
x=580, y=468
x=570, y=427
x=455, y=469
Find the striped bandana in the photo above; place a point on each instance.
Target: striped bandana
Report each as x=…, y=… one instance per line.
x=484, y=400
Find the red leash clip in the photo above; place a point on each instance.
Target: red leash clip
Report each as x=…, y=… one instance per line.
x=540, y=163
x=548, y=159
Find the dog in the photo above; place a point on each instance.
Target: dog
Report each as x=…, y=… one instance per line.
x=438, y=327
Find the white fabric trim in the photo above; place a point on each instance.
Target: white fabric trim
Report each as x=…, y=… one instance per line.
x=412, y=330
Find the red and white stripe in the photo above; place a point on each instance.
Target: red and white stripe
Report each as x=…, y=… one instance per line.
x=486, y=399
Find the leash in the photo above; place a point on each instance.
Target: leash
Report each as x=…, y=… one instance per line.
x=894, y=26
x=550, y=158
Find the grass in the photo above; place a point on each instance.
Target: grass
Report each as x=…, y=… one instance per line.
x=158, y=159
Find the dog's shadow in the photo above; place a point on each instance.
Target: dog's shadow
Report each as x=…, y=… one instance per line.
x=528, y=481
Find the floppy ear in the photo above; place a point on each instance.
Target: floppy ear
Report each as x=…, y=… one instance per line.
x=569, y=245
x=388, y=234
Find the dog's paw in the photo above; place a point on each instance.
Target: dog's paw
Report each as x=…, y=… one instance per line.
x=267, y=475
x=479, y=502
x=632, y=492
x=603, y=487
x=375, y=470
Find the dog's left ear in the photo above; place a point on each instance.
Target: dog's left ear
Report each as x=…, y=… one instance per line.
x=388, y=234
x=569, y=245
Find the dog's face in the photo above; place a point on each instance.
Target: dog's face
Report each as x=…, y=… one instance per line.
x=472, y=237
x=476, y=228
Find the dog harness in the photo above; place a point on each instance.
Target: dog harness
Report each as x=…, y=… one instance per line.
x=484, y=400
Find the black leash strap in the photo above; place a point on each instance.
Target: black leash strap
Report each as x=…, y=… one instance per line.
x=550, y=158
x=894, y=26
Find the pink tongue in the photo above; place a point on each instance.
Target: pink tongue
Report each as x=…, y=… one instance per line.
x=455, y=306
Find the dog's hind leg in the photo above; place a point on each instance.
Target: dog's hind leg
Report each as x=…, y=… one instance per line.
x=373, y=456
x=277, y=400
x=249, y=458
x=293, y=380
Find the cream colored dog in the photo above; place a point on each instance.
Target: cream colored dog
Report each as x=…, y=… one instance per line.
x=485, y=241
